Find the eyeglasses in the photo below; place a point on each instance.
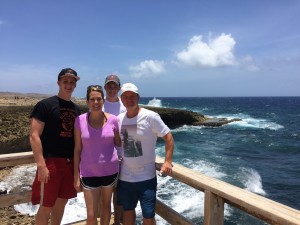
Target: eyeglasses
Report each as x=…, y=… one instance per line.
x=94, y=87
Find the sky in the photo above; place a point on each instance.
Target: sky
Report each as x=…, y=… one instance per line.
x=168, y=48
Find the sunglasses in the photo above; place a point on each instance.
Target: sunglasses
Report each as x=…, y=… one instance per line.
x=69, y=74
x=94, y=87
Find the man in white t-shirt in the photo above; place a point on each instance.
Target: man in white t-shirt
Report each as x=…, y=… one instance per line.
x=139, y=129
x=113, y=105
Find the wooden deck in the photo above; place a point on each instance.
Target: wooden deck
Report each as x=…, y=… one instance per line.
x=83, y=222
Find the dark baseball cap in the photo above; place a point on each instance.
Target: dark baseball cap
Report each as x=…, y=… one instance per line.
x=112, y=78
x=68, y=72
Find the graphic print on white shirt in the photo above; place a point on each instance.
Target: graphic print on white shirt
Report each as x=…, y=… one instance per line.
x=132, y=146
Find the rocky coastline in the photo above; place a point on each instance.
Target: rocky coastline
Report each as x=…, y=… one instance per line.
x=15, y=111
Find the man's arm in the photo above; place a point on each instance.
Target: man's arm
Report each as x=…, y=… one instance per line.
x=169, y=148
x=36, y=130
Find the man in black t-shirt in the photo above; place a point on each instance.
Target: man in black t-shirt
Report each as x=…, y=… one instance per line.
x=52, y=143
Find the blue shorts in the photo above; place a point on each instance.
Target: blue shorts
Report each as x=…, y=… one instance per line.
x=129, y=193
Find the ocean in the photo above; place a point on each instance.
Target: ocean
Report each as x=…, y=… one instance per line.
x=260, y=153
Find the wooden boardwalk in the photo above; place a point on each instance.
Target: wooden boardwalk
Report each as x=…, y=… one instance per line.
x=83, y=222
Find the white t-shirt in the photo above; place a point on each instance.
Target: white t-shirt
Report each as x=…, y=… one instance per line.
x=139, y=135
x=114, y=108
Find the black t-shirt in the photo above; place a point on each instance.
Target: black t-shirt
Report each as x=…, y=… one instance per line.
x=58, y=134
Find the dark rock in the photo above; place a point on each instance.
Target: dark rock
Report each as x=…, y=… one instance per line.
x=3, y=192
x=177, y=117
x=215, y=122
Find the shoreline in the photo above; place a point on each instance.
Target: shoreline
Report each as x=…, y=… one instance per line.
x=18, y=99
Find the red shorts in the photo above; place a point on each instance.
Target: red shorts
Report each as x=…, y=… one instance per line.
x=60, y=184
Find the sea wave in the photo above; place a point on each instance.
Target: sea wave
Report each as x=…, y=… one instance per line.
x=252, y=181
x=186, y=128
x=155, y=102
x=180, y=200
x=249, y=122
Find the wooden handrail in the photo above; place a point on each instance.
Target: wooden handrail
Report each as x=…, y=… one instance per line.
x=15, y=159
x=217, y=193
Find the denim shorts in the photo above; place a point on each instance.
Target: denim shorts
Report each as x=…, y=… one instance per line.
x=129, y=193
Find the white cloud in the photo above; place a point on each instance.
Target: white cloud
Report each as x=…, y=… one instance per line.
x=217, y=52
x=148, y=68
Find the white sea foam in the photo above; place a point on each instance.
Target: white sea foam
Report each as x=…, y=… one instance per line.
x=27, y=208
x=207, y=168
x=155, y=102
x=75, y=209
x=252, y=181
x=180, y=195
x=20, y=179
x=187, y=128
x=250, y=122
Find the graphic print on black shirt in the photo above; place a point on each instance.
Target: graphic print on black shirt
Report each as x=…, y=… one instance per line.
x=67, y=117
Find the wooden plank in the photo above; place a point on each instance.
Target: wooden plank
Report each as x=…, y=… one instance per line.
x=16, y=159
x=15, y=198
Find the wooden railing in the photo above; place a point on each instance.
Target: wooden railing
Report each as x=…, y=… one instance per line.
x=217, y=193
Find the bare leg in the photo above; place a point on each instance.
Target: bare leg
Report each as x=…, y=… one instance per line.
x=129, y=217
x=92, y=198
x=118, y=210
x=58, y=211
x=43, y=215
x=106, y=205
x=149, y=221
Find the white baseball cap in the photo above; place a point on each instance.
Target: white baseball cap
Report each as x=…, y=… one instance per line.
x=129, y=87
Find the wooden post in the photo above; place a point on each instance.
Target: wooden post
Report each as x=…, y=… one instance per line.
x=213, y=209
